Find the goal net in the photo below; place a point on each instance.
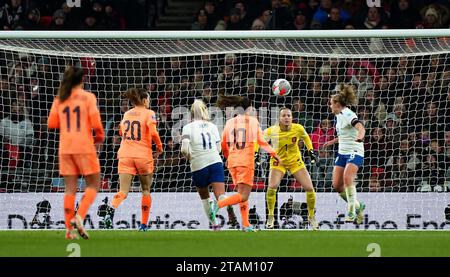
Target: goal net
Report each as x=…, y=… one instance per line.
x=402, y=80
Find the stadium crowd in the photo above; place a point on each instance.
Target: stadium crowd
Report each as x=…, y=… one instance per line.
x=403, y=102
x=58, y=15
x=321, y=14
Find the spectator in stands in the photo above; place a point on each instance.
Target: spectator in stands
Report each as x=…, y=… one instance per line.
x=317, y=100
x=265, y=17
x=322, y=133
x=32, y=20
x=301, y=21
x=281, y=18
x=12, y=13
x=363, y=73
x=171, y=164
x=322, y=14
x=91, y=22
x=112, y=18
x=438, y=150
x=446, y=146
x=198, y=82
x=377, y=106
x=301, y=116
x=212, y=16
x=229, y=79
x=58, y=20
x=235, y=22
x=404, y=161
x=400, y=117
x=208, y=97
x=334, y=21
x=365, y=116
x=432, y=120
x=433, y=168
x=258, y=25
x=209, y=67
x=373, y=20
x=201, y=22
x=377, y=150
x=17, y=130
x=434, y=16
x=246, y=21
x=403, y=15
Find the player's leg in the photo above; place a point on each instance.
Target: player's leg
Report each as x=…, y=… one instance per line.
x=201, y=182
x=302, y=176
x=89, y=167
x=127, y=170
x=217, y=180
x=275, y=176
x=146, y=201
x=71, y=183
x=69, y=170
x=219, y=193
x=338, y=184
x=235, y=198
x=349, y=176
x=245, y=190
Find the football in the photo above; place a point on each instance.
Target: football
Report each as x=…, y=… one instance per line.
x=281, y=87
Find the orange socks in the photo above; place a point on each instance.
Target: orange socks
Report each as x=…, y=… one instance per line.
x=118, y=198
x=86, y=201
x=146, y=204
x=69, y=209
x=244, y=214
x=230, y=200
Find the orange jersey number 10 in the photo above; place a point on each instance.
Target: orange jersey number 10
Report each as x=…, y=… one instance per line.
x=239, y=144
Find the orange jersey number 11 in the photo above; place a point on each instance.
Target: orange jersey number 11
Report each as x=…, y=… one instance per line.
x=67, y=112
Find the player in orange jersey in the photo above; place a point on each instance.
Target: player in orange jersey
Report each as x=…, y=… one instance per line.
x=74, y=112
x=238, y=139
x=138, y=131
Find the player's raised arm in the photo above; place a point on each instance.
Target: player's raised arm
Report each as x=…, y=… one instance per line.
x=53, y=117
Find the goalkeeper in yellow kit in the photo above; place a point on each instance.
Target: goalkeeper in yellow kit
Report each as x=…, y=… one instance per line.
x=284, y=138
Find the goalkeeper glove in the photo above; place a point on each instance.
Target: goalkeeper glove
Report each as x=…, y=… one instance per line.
x=312, y=157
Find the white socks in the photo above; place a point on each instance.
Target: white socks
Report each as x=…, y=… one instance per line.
x=350, y=193
x=206, y=203
x=343, y=195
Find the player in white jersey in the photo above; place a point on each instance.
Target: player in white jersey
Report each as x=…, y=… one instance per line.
x=350, y=155
x=201, y=146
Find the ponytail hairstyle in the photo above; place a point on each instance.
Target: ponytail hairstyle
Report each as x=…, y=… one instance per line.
x=73, y=76
x=199, y=110
x=346, y=95
x=233, y=101
x=136, y=96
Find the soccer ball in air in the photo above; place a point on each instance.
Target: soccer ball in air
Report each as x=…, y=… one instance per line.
x=281, y=87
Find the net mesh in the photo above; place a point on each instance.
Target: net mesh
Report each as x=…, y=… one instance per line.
x=402, y=85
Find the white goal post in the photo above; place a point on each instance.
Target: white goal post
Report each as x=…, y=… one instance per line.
x=402, y=79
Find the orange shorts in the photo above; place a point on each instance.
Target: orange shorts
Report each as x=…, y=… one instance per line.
x=78, y=164
x=135, y=166
x=242, y=175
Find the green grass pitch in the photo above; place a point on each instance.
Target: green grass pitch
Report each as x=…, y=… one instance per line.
x=231, y=243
